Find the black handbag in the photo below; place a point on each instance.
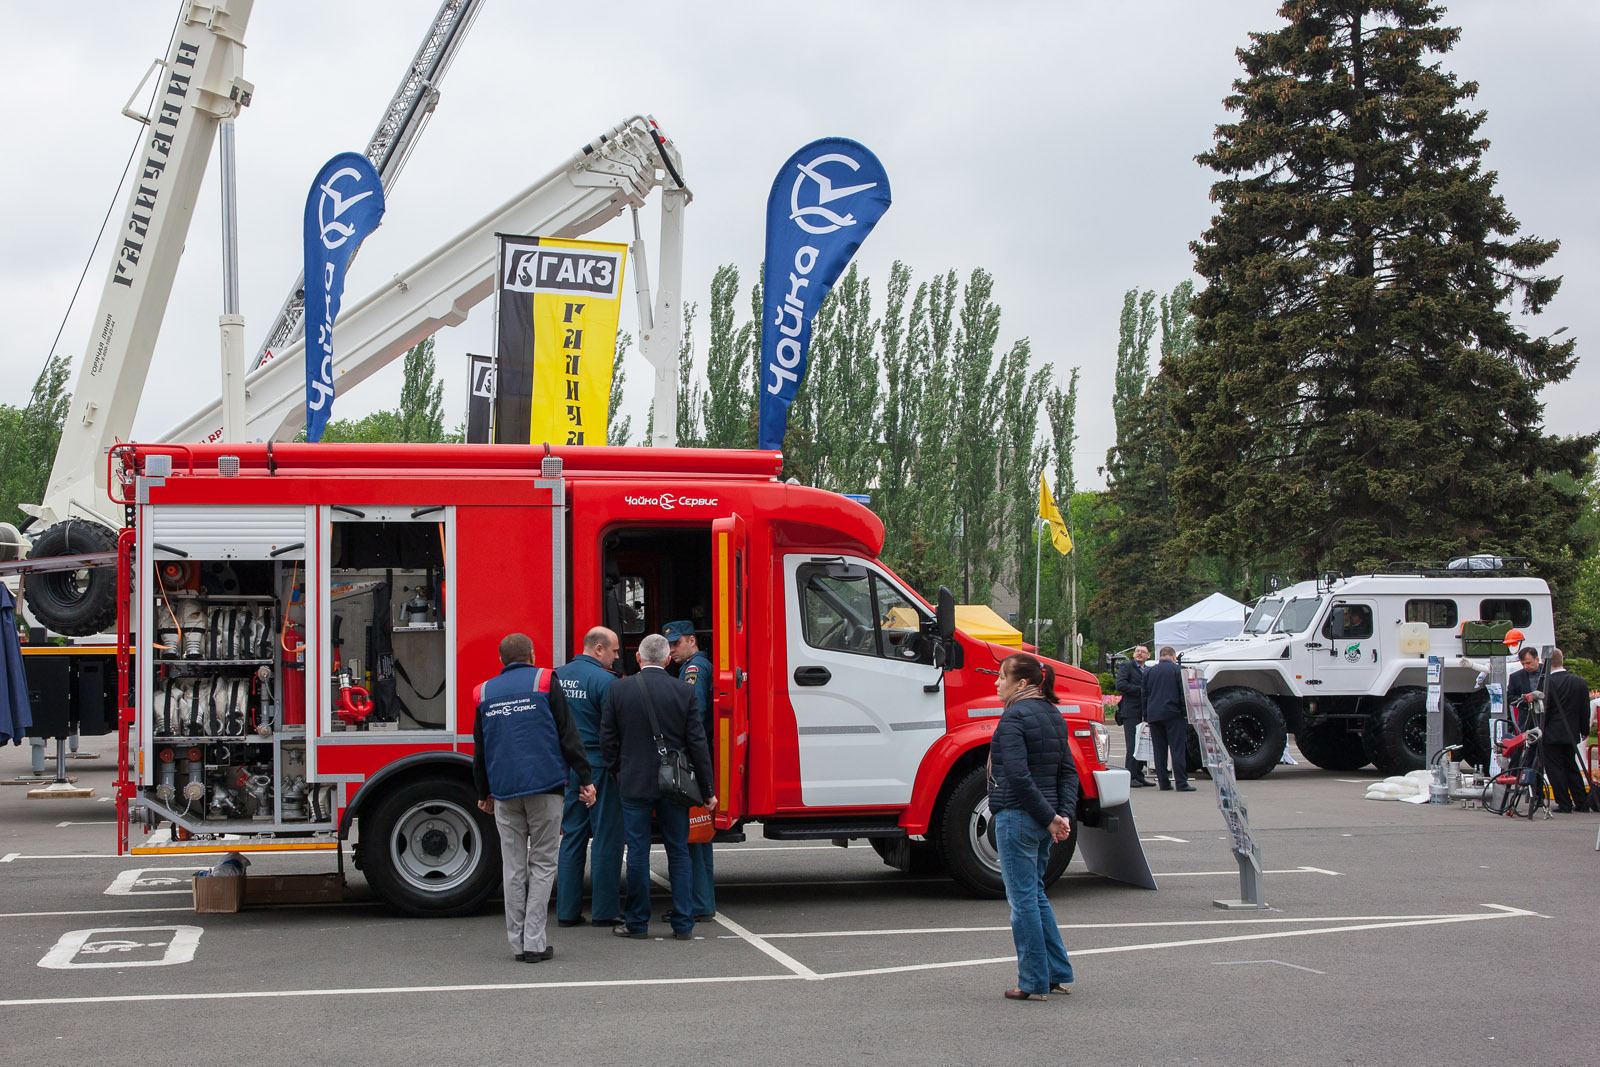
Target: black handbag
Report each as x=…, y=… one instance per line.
x=674, y=777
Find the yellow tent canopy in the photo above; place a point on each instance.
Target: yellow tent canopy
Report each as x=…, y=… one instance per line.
x=982, y=622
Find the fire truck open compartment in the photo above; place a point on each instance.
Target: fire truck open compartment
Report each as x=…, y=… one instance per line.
x=655, y=575
x=223, y=747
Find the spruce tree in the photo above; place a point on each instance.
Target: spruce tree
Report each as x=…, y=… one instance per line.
x=1359, y=391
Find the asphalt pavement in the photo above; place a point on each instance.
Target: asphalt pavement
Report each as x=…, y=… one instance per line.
x=1395, y=933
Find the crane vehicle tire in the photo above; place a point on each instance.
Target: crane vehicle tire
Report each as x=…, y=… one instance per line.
x=967, y=845
x=1253, y=728
x=924, y=855
x=75, y=603
x=1396, y=736
x=428, y=850
x=1332, y=747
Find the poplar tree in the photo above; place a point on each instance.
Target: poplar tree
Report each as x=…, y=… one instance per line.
x=1359, y=391
x=421, y=414
x=725, y=403
x=29, y=436
x=617, y=431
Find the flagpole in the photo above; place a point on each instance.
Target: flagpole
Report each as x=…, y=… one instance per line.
x=1038, y=547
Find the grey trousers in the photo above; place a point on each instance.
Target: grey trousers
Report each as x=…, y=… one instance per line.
x=530, y=834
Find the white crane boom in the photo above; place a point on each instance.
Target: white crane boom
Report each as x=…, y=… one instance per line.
x=391, y=143
x=201, y=83
x=614, y=172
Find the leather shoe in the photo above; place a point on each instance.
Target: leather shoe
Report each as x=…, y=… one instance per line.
x=1166, y=788
x=682, y=937
x=1186, y=789
x=705, y=918
x=1017, y=994
x=1139, y=783
x=540, y=956
x=623, y=931
x=570, y=922
x=521, y=957
x=605, y=922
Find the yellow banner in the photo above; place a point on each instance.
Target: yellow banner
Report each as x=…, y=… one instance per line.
x=576, y=288
x=1051, y=514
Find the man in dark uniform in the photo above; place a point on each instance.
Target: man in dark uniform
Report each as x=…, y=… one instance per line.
x=1169, y=721
x=694, y=667
x=1130, y=683
x=525, y=745
x=1566, y=723
x=628, y=746
x=584, y=681
x=1521, y=684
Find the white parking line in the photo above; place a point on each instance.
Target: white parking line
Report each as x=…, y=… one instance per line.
x=1153, y=924
x=795, y=966
x=1280, y=963
x=94, y=822
x=1499, y=911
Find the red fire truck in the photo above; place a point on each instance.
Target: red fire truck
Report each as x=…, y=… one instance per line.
x=302, y=627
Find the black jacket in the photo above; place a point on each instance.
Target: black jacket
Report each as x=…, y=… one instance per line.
x=1030, y=762
x=626, y=743
x=1566, y=708
x=1163, y=692
x=1130, y=683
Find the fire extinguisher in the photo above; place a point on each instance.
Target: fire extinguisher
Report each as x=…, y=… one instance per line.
x=293, y=690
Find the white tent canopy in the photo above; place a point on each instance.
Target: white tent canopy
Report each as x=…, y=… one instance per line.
x=1215, y=617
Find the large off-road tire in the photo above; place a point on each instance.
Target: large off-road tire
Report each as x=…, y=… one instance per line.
x=1396, y=737
x=1332, y=747
x=75, y=603
x=967, y=844
x=428, y=850
x=924, y=855
x=1473, y=709
x=1253, y=730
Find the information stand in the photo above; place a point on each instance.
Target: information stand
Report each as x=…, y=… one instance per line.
x=1203, y=717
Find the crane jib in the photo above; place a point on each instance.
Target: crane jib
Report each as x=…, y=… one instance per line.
x=163, y=131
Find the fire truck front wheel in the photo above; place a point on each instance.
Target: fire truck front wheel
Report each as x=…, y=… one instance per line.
x=429, y=851
x=967, y=842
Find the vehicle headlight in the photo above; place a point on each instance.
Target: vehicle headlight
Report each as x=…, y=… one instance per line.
x=1102, y=742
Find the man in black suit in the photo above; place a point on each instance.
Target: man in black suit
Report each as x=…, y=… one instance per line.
x=1566, y=722
x=1521, y=684
x=1130, y=683
x=1169, y=720
x=628, y=747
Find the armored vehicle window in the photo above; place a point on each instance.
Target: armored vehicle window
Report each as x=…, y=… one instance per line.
x=1260, y=620
x=1438, y=614
x=1351, y=621
x=1516, y=612
x=1297, y=615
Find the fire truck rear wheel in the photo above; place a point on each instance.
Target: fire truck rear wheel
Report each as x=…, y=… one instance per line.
x=967, y=844
x=1331, y=746
x=1253, y=729
x=75, y=603
x=429, y=851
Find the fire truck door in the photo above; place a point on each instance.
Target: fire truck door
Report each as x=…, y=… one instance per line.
x=730, y=738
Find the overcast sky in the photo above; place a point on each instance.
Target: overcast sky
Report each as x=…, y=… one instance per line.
x=1051, y=144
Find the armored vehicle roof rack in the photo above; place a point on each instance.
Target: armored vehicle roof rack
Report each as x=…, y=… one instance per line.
x=1481, y=565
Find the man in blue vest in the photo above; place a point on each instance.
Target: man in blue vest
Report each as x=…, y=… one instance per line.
x=584, y=682
x=525, y=745
x=694, y=667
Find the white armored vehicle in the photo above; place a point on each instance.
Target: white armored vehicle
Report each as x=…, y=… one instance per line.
x=1342, y=662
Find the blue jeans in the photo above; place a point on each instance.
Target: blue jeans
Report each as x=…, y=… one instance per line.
x=580, y=825
x=704, y=878
x=1024, y=852
x=674, y=822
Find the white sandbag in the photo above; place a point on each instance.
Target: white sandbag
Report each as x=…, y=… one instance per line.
x=1396, y=779
x=1378, y=795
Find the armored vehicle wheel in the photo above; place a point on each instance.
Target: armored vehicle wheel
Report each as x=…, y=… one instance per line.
x=1253, y=729
x=1396, y=738
x=967, y=843
x=1473, y=708
x=1332, y=747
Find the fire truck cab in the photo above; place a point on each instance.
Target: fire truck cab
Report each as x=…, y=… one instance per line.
x=306, y=623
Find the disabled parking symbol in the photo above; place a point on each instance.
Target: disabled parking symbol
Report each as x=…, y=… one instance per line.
x=123, y=946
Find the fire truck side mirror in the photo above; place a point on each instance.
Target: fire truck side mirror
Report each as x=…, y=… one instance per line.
x=946, y=614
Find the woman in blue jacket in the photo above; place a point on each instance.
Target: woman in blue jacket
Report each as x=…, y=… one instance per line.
x=1033, y=792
